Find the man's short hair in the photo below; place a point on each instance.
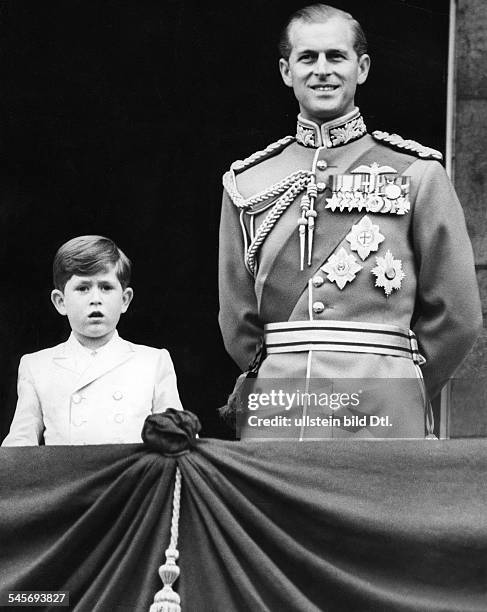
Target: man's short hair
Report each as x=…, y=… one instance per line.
x=87, y=255
x=319, y=13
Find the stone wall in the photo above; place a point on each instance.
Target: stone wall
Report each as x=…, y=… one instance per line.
x=469, y=397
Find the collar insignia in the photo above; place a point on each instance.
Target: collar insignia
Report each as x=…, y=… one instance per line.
x=334, y=133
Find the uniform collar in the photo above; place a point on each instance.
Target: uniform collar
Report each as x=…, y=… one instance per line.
x=332, y=133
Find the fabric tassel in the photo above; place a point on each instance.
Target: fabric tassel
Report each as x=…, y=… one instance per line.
x=167, y=600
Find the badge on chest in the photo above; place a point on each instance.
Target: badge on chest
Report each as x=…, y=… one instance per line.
x=374, y=188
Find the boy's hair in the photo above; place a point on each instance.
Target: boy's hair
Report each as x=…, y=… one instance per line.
x=87, y=255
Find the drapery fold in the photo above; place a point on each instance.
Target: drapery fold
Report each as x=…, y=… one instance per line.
x=316, y=526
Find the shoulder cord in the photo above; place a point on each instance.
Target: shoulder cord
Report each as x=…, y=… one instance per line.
x=229, y=178
x=271, y=219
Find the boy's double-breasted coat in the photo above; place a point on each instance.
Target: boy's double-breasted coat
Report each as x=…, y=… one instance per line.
x=67, y=396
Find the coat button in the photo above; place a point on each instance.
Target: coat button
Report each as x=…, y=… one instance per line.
x=76, y=397
x=318, y=280
x=318, y=307
x=119, y=418
x=321, y=164
x=321, y=187
x=77, y=421
x=117, y=395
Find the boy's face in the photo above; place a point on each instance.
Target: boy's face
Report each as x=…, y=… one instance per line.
x=93, y=305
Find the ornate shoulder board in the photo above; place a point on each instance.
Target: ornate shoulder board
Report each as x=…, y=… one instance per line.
x=412, y=146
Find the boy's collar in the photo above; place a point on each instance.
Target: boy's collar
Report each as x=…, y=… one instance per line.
x=74, y=344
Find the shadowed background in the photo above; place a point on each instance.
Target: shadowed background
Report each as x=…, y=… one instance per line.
x=119, y=118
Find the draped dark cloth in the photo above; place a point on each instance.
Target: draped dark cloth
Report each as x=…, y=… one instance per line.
x=317, y=526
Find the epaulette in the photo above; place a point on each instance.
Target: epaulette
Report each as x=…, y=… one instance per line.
x=229, y=178
x=275, y=147
x=407, y=145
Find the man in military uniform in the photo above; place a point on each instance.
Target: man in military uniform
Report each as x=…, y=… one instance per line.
x=345, y=254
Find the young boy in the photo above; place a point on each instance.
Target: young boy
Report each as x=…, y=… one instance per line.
x=95, y=388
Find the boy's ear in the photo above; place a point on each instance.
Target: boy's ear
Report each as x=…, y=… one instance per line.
x=127, y=295
x=57, y=298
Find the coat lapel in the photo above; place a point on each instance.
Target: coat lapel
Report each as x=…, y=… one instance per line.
x=114, y=354
x=65, y=356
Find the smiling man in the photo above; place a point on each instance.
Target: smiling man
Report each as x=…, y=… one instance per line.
x=324, y=62
x=344, y=255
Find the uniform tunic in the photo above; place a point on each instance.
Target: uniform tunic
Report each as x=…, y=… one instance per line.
x=437, y=298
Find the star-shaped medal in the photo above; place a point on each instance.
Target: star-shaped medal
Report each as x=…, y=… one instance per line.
x=402, y=205
x=388, y=272
x=334, y=201
x=341, y=268
x=365, y=237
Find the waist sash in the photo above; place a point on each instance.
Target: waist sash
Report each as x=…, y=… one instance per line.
x=347, y=336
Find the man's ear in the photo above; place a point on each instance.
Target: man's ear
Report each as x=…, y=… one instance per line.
x=127, y=296
x=285, y=72
x=363, y=68
x=57, y=298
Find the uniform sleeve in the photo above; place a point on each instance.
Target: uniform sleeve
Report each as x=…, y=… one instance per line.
x=238, y=317
x=448, y=310
x=28, y=425
x=165, y=389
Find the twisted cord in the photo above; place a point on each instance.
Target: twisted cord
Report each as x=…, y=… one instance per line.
x=176, y=509
x=241, y=164
x=167, y=600
x=272, y=217
x=278, y=188
x=273, y=191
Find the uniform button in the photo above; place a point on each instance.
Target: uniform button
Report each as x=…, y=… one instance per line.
x=321, y=187
x=318, y=307
x=119, y=418
x=318, y=280
x=117, y=395
x=76, y=398
x=77, y=421
x=322, y=165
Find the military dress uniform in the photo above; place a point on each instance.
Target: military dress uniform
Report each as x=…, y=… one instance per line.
x=346, y=254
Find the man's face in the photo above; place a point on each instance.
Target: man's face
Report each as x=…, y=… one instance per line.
x=93, y=305
x=323, y=68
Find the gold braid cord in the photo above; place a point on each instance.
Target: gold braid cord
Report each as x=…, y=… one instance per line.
x=167, y=600
x=271, y=219
x=240, y=165
x=285, y=190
